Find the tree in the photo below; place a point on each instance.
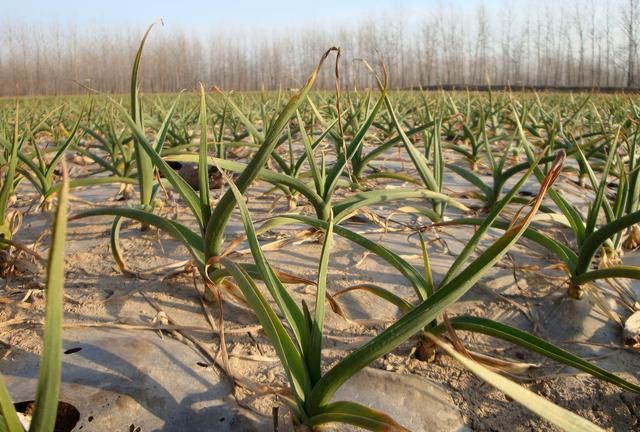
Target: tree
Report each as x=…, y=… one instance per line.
x=630, y=17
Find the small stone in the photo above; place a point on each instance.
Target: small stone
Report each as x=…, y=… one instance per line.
x=632, y=331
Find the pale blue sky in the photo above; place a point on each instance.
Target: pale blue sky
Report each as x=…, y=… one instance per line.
x=205, y=14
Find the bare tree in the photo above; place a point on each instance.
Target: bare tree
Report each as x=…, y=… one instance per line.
x=579, y=27
x=629, y=24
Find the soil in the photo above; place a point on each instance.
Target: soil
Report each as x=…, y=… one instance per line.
x=526, y=290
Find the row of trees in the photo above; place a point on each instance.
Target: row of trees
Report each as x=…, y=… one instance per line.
x=585, y=43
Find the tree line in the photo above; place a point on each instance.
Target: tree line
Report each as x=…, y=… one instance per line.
x=584, y=43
